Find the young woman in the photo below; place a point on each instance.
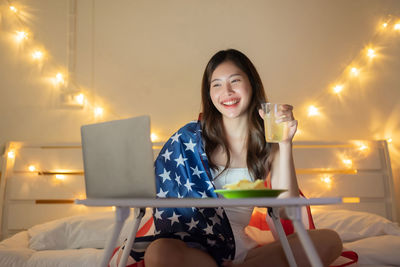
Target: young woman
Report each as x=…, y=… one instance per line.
x=225, y=145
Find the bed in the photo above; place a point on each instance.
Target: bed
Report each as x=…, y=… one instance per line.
x=41, y=225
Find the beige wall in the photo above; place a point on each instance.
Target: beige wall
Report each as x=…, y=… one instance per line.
x=147, y=57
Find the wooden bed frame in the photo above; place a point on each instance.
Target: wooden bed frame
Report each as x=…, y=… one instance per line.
x=357, y=169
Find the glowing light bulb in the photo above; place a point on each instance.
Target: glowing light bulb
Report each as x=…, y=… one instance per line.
x=384, y=25
x=32, y=168
x=37, y=55
x=312, y=111
x=153, y=137
x=389, y=140
x=80, y=98
x=60, y=177
x=326, y=179
x=20, y=36
x=363, y=147
x=59, y=78
x=11, y=154
x=354, y=71
x=338, y=88
x=13, y=9
x=98, y=112
x=347, y=162
x=371, y=53
x=397, y=27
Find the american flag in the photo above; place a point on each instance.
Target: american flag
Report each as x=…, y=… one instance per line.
x=182, y=171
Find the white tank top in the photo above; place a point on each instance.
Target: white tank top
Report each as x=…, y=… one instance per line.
x=239, y=217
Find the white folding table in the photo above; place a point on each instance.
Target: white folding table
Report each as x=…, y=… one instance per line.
x=292, y=207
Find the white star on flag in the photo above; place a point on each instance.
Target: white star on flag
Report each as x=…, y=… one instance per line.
x=208, y=229
x=196, y=171
x=174, y=218
x=165, y=175
x=192, y=223
x=203, y=194
x=190, y=145
x=211, y=242
x=179, y=196
x=220, y=212
x=166, y=155
x=175, y=137
x=158, y=213
x=180, y=161
x=188, y=185
x=215, y=220
x=162, y=193
x=182, y=234
x=178, y=179
x=210, y=185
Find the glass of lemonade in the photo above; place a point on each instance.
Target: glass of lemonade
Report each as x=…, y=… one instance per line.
x=274, y=132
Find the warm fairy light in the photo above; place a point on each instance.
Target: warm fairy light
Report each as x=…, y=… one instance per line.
x=389, y=140
x=37, y=55
x=59, y=79
x=397, y=27
x=60, y=177
x=20, y=36
x=98, y=111
x=32, y=168
x=113, y=208
x=354, y=71
x=13, y=9
x=363, y=147
x=11, y=154
x=154, y=137
x=371, y=53
x=337, y=88
x=347, y=162
x=80, y=99
x=326, y=179
x=351, y=200
x=312, y=111
x=384, y=25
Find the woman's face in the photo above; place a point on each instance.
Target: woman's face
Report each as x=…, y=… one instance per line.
x=230, y=90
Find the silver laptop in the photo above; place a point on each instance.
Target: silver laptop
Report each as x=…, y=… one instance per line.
x=118, y=159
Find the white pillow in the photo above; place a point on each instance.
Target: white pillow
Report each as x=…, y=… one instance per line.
x=354, y=225
x=382, y=250
x=85, y=231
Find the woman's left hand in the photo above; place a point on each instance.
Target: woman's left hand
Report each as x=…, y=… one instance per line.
x=286, y=115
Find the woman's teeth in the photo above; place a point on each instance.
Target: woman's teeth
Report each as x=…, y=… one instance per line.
x=231, y=102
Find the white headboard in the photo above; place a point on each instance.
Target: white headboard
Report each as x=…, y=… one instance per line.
x=29, y=197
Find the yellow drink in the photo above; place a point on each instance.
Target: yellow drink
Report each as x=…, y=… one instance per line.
x=274, y=132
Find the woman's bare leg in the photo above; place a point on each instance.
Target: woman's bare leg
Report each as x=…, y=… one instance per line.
x=166, y=252
x=326, y=242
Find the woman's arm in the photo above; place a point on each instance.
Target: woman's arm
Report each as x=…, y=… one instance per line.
x=283, y=175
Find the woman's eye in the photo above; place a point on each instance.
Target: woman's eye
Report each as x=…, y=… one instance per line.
x=235, y=80
x=216, y=85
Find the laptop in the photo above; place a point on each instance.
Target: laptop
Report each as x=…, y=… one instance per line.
x=118, y=159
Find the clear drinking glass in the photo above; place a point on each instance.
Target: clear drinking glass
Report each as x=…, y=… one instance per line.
x=274, y=132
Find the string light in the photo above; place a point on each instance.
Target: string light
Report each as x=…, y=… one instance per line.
x=389, y=140
x=312, y=111
x=60, y=177
x=37, y=55
x=397, y=27
x=354, y=71
x=11, y=154
x=13, y=9
x=59, y=79
x=153, y=137
x=371, y=53
x=338, y=88
x=21, y=36
x=347, y=162
x=32, y=168
x=384, y=25
x=80, y=99
x=98, y=111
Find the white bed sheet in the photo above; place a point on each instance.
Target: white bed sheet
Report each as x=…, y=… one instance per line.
x=374, y=238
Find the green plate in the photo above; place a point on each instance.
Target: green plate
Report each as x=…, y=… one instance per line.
x=245, y=193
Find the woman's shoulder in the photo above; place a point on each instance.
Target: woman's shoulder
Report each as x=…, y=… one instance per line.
x=191, y=129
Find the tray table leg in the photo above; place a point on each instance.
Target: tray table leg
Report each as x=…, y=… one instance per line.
x=138, y=214
x=121, y=213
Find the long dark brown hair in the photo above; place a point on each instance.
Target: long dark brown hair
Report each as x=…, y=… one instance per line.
x=212, y=127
